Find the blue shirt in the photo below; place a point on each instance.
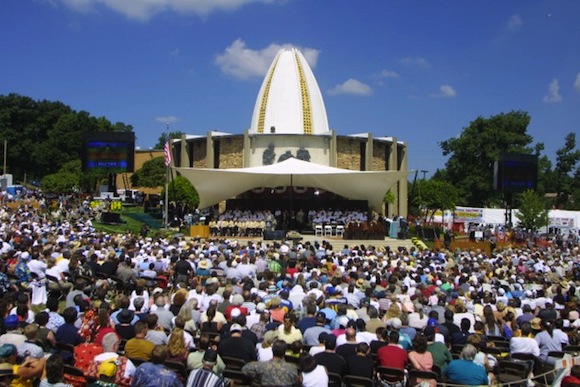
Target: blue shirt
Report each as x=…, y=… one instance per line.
x=68, y=334
x=466, y=372
x=155, y=375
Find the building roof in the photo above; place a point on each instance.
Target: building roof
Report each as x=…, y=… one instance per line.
x=289, y=100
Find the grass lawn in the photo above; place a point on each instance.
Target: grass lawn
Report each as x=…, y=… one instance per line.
x=130, y=224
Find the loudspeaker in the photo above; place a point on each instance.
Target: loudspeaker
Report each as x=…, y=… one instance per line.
x=111, y=217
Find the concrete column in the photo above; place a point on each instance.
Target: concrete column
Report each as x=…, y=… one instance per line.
x=369, y=153
x=393, y=162
x=247, y=149
x=403, y=183
x=185, y=157
x=210, y=151
x=332, y=147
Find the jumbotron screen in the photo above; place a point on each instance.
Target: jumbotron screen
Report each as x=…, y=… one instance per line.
x=109, y=152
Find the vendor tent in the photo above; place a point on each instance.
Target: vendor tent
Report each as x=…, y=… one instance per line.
x=216, y=185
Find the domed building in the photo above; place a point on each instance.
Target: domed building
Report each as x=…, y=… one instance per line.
x=290, y=152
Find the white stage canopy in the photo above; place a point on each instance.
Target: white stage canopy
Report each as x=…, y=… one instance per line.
x=216, y=185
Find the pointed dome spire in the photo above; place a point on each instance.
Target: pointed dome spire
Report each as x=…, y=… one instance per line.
x=289, y=100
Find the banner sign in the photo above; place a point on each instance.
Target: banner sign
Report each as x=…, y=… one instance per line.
x=468, y=215
x=561, y=222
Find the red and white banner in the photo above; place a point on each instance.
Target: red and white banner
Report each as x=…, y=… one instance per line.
x=167, y=153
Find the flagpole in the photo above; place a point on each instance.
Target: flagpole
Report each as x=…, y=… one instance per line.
x=166, y=201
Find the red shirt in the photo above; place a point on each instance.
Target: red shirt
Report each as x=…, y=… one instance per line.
x=570, y=380
x=393, y=356
x=243, y=310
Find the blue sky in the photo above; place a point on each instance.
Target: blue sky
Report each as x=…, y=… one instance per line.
x=416, y=70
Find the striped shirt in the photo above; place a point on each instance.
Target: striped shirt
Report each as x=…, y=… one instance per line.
x=204, y=378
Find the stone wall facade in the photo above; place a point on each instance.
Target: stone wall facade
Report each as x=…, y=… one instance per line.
x=200, y=154
x=348, y=154
x=232, y=152
x=378, y=161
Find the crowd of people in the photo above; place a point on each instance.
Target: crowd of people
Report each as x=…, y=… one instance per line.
x=134, y=310
x=246, y=223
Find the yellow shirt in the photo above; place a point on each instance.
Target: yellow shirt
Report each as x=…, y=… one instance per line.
x=139, y=349
x=18, y=381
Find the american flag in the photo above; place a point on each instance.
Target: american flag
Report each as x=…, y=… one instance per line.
x=167, y=153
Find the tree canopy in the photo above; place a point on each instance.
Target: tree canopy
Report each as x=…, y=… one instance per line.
x=567, y=171
x=163, y=138
x=472, y=154
x=532, y=212
x=151, y=174
x=433, y=195
x=181, y=191
x=42, y=136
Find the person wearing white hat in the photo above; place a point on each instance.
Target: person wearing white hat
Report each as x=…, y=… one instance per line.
x=237, y=346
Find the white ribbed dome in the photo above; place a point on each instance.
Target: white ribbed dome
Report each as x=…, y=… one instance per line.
x=289, y=99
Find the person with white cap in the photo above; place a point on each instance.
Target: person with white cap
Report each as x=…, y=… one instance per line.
x=22, y=271
x=237, y=346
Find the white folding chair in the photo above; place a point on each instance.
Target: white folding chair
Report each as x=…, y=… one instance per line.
x=340, y=230
x=328, y=230
x=318, y=230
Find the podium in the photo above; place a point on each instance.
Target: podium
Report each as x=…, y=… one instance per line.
x=199, y=230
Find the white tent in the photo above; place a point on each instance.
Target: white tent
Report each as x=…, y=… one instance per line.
x=216, y=185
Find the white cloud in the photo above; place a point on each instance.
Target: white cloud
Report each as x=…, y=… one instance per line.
x=577, y=83
x=388, y=74
x=553, y=95
x=414, y=61
x=146, y=9
x=514, y=23
x=445, y=91
x=242, y=62
x=167, y=119
x=351, y=86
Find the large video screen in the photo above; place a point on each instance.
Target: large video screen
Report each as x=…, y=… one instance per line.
x=516, y=172
x=109, y=152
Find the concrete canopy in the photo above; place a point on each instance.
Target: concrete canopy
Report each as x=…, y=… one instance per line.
x=216, y=185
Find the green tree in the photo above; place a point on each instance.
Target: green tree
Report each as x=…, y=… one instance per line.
x=574, y=203
x=60, y=182
x=434, y=195
x=43, y=136
x=546, y=175
x=70, y=178
x=567, y=159
x=152, y=174
x=472, y=155
x=182, y=191
x=163, y=138
x=389, y=197
x=533, y=211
